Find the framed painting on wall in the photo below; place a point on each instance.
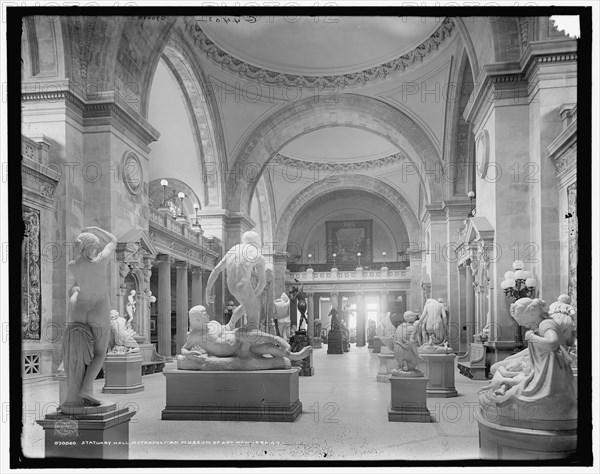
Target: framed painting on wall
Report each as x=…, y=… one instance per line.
x=347, y=238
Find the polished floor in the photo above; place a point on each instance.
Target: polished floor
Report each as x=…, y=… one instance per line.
x=344, y=417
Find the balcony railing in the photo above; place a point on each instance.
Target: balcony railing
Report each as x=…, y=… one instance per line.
x=164, y=219
x=367, y=266
x=369, y=275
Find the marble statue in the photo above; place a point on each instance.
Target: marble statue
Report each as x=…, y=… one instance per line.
x=536, y=384
x=212, y=346
x=405, y=348
x=385, y=326
x=88, y=327
x=385, y=332
x=301, y=305
x=122, y=335
x=238, y=264
x=130, y=308
x=317, y=326
x=372, y=331
x=282, y=313
x=433, y=328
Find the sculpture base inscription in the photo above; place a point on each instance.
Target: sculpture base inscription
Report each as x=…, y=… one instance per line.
x=99, y=432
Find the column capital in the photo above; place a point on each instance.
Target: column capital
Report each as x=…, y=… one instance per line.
x=181, y=264
x=196, y=269
x=164, y=258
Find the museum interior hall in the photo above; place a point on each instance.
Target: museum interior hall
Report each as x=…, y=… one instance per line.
x=303, y=237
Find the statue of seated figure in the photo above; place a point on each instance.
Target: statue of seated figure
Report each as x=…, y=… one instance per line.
x=405, y=348
x=121, y=337
x=233, y=349
x=534, y=388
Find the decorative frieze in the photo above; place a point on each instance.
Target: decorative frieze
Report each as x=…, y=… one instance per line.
x=343, y=167
x=359, y=78
x=31, y=276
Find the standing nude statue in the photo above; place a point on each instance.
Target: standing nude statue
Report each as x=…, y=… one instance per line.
x=88, y=326
x=238, y=263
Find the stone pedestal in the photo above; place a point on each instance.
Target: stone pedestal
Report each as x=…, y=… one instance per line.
x=316, y=342
x=387, y=363
x=334, y=342
x=261, y=395
x=370, y=343
x=92, y=432
x=512, y=443
x=123, y=373
x=409, y=399
x=440, y=371
x=376, y=345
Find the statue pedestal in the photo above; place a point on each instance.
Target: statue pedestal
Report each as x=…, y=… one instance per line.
x=440, y=371
x=260, y=395
x=100, y=432
x=387, y=363
x=316, y=343
x=123, y=373
x=511, y=443
x=376, y=345
x=334, y=342
x=409, y=399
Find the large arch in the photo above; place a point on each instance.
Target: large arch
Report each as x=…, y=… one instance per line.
x=266, y=202
x=306, y=197
x=348, y=110
x=210, y=154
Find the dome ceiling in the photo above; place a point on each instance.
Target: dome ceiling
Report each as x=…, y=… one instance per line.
x=314, y=46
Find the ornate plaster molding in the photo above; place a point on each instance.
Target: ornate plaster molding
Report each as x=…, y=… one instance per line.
x=248, y=71
x=343, y=167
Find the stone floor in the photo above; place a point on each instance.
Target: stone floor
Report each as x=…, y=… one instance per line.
x=344, y=417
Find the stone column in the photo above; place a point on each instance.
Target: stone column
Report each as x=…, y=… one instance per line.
x=164, y=305
x=437, y=250
x=310, y=301
x=383, y=302
x=360, y=319
x=469, y=319
x=456, y=212
x=463, y=342
x=143, y=307
x=197, y=286
x=416, y=301
x=181, y=304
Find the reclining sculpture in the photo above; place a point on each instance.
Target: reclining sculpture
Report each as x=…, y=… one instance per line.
x=211, y=345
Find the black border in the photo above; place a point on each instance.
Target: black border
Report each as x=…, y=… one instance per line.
x=584, y=94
